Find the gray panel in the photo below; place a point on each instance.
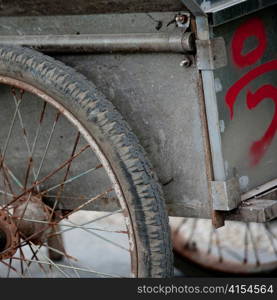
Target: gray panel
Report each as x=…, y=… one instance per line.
x=159, y=100
x=248, y=125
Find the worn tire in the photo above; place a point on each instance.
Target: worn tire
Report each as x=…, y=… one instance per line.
x=143, y=194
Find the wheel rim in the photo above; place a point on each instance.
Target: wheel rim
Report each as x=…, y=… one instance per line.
x=21, y=189
x=239, y=248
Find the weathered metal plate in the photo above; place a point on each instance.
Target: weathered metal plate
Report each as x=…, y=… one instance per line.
x=246, y=97
x=161, y=100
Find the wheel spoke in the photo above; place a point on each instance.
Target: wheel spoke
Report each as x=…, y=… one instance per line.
x=10, y=131
x=6, y=180
x=87, y=203
x=15, y=179
x=74, y=226
x=22, y=256
x=35, y=253
x=50, y=261
x=72, y=179
x=59, y=193
x=103, y=238
x=92, y=221
x=8, y=265
x=47, y=176
x=24, y=131
x=47, y=145
x=60, y=266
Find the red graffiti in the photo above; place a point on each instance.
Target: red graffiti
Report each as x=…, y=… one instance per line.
x=234, y=90
x=253, y=27
x=259, y=147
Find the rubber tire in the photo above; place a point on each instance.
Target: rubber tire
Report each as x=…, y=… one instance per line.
x=139, y=183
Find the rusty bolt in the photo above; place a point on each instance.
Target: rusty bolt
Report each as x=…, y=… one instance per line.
x=186, y=62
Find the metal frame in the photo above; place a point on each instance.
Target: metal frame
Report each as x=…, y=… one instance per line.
x=220, y=187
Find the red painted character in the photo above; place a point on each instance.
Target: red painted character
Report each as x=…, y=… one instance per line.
x=253, y=27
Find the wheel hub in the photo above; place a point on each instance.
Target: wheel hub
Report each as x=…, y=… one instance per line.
x=32, y=218
x=9, y=237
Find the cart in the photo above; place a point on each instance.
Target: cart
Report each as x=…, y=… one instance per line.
x=116, y=114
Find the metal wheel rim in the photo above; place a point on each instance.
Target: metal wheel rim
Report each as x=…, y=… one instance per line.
x=212, y=261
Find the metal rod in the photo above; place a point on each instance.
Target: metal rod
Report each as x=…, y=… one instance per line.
x=177, y=42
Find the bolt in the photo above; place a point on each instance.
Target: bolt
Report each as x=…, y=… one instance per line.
x=186, y=62
x=182, y=19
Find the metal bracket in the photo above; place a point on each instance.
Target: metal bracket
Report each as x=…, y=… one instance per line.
x=225, y=194
x=211, y=54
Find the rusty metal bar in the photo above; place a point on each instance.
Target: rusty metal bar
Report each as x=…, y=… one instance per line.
x=177, y=42
x=254, y=210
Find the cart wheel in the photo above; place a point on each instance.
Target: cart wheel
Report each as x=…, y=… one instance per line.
x=66, y=153
x=237, y=248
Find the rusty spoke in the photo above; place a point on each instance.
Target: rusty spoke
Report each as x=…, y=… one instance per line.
x=10, y=130
x=70, y=180
x=47, y=145
x=23, y=259
x=14, y=178
x=6, y=180
x=33, y=253
x=47, y=176
x=8, y=265
x=35, y=256
x=87, y=203
x=50, y=261
x=24, y=132
x=59, y=193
